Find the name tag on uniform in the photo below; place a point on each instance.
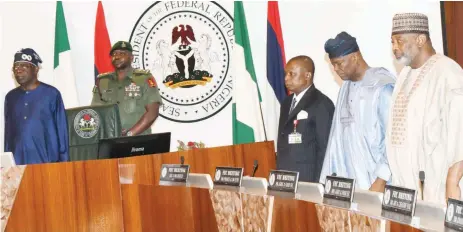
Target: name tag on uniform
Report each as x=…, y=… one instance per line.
x=295, y=137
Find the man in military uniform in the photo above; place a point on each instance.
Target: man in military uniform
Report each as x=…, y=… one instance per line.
x=134, y=90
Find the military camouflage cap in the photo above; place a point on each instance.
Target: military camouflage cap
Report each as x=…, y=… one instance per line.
x=121, y=45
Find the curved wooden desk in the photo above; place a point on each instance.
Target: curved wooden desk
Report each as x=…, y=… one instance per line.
x=88, y=196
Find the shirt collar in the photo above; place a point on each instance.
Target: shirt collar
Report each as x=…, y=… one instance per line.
x=366, y=79
x=128, y=75
x=299, y=96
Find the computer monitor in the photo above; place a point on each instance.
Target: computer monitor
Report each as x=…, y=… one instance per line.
x=133, y=146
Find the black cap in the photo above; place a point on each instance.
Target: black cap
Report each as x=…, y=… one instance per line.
x=27, y=55
x=343, y=44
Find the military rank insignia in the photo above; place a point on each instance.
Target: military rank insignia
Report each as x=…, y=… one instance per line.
x=132, y=90
x=152, y=82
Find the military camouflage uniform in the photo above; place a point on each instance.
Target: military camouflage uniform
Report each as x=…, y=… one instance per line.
x=132, y=94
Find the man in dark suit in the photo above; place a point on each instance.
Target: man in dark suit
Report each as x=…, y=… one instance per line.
x=305, y=122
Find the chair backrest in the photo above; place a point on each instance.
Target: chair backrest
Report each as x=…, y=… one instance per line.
x=87, y=125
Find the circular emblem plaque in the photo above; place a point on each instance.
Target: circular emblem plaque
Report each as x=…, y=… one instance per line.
x=87, y=123
x=187, y=47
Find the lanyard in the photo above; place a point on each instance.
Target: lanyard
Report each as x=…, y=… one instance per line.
x=295, y=125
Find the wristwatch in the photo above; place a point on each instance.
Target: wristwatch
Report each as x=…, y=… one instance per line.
x=129, y=133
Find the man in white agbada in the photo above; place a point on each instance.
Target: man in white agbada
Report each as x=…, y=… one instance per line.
x=425, y=131
x=356, y=148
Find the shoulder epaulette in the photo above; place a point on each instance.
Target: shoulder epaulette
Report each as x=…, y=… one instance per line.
x=103, y=74
x=141, y=71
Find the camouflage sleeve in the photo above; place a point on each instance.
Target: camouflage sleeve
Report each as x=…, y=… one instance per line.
x=151, y=93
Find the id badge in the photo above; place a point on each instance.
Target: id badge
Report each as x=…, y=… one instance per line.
x=295, y=138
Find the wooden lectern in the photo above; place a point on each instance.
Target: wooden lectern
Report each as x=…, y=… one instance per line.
x=88, y=195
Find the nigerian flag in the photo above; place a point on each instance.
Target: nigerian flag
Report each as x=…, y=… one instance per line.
x=248, y=126
x=63, y=77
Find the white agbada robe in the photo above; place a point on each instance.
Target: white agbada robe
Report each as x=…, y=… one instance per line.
x=356, y=148
x=427, y=133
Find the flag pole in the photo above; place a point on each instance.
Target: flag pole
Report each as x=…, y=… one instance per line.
x=263, y=123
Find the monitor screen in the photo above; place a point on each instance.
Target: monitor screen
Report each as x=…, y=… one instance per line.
x=133, y=146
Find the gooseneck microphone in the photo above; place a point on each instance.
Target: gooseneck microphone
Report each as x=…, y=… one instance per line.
x=422, y=177
x=254, y=169
x=334, y=174
x=182, y=160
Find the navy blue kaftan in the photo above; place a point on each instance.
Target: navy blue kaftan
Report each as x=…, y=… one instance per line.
x=36, y=125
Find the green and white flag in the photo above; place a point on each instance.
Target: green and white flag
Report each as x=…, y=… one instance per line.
x=64, y=79
x=248, y=126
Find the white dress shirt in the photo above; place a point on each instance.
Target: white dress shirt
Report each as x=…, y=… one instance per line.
x=298, y=97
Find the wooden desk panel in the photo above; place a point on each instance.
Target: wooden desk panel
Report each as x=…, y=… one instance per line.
x=86, y=196
x=160, y=208
x=203, y=206
x=288, y=214
x=147, y=168
x=147, y=172
x=294, y=215
x=72, y=196
x=399, y=227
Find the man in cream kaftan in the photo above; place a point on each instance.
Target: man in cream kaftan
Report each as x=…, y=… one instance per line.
x=425, y=130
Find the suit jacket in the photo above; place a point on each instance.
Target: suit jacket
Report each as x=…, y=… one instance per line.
x=306, y=157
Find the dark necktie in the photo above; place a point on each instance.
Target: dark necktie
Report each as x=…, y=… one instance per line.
x=293, y=103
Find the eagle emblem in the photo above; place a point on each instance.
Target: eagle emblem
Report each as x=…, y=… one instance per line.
x=185, y=33
x=185, y=63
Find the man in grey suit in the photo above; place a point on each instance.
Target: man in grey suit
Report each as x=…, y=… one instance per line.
x=305, y=122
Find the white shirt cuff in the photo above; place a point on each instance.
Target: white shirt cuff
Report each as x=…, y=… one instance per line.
x=382, y=171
